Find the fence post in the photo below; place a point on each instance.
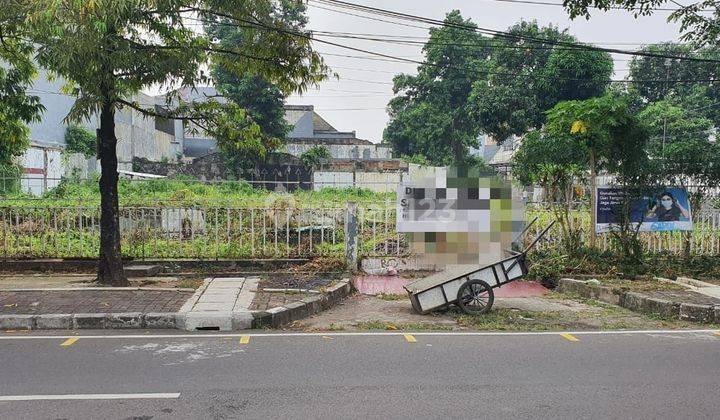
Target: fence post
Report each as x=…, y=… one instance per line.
x=351, y=236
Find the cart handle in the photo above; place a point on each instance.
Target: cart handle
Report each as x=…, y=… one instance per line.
x=520, y=235
x=525, y=229
x=540, y=235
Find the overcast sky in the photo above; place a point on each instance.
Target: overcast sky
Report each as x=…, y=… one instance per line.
x=357, y=101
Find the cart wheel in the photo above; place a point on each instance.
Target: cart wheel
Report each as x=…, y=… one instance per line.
x=475, y=297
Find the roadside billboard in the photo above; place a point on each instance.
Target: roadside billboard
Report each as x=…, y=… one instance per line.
x=661, y=209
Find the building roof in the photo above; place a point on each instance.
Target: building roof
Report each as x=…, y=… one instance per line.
x=331, y=140
x=319, y=124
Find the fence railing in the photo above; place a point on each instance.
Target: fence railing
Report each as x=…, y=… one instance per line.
x=209, y=233
x=173, y=232
x=704, y=239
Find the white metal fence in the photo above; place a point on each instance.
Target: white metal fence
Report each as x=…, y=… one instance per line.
x=214, y=232
x=173, y=232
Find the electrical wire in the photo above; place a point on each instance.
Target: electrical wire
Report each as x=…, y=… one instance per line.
x=501, y=34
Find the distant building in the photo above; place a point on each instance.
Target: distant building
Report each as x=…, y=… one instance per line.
x=499, y=156
x=158, y=139
x=310, y=129
x=43, y=164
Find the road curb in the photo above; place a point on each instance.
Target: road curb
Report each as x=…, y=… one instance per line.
x=240, y=320
x=639, y=302
x=88, y=321
x=282, y=315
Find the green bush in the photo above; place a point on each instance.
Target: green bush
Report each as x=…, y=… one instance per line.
x=9, y=179
x=314, y=155
x=80, y=140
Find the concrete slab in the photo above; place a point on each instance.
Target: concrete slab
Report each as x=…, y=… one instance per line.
x=142, y=270
x=242, y=320
x=212, y=307
x=221, y=321
x=216, y=298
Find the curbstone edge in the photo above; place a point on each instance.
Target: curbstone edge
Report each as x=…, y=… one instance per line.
x=89, y=321
x=661, y=306
x=124, y=320
x=697, y=313
x=16, y=321
x=160, y=320
x=261, y=319
x=54, y=322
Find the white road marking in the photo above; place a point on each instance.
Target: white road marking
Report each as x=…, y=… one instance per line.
x=89, y=397
x=350, y=334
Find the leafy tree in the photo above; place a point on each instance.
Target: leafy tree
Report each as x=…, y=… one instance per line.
x=499, y=86
x=430, y=116
x=110, y=50
x=653, y=78
x=700, y=21
x=314, y=155
x=679, y=143
x=599, y=126
x=263, y=101
x=17, y=108
x=526, y=78
x=557, y=165
x=636, y=176
x=80, y=140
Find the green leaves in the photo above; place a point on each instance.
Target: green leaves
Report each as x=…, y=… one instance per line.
x=605, y=126
x=80, y=140
x=314, y=155
x=17, y=108
x=431, y=115
x=113, y=49
x=498, y=86
x=526, y=78
x=699, y=20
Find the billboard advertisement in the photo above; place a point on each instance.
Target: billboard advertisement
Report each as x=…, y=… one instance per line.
x=662, y=209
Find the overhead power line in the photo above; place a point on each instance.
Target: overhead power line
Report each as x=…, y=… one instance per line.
x=309, y=36
x=547, y=3
x=500, y=34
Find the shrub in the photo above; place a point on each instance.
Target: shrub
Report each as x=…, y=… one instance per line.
x=9, y=179
x=80, y=140
x=314, y=155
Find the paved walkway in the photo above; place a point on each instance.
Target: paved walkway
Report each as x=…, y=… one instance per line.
x=232, y=294
x=221, y=304
x=91, y=301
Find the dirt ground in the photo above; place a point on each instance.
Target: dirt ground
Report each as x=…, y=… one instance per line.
x=552, y=312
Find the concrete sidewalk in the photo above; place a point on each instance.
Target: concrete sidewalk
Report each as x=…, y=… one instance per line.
x=221, y=304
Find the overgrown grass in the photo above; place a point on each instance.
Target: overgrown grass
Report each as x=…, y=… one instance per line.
x=189, y=192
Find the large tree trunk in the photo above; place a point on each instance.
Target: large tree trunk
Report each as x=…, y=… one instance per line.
x=593, y=185
x=110, y=267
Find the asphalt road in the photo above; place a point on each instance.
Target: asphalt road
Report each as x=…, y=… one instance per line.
x=643, y=375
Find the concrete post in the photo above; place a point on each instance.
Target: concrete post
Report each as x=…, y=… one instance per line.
x=351, y=236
